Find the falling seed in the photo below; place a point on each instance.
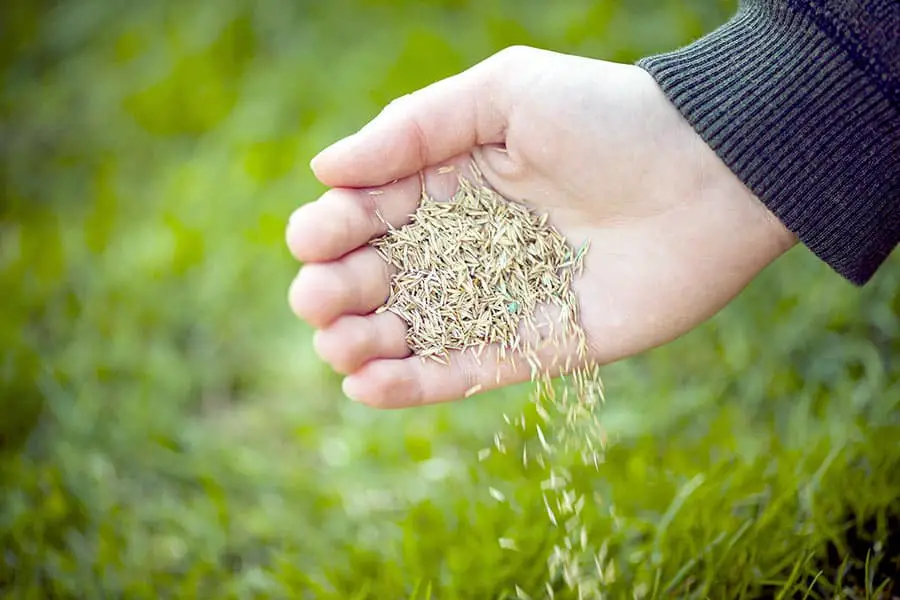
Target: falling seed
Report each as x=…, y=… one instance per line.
x=498, y=443
x=550, y=512
x=543, y=440
x=471, y=273
x=508, y=544
x=496, y=494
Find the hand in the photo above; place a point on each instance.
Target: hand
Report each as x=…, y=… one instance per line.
x=674, y=234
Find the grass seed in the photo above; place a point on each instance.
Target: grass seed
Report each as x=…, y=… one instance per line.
x=472, y=272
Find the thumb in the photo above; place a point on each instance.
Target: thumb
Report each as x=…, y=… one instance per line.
x=418, y=130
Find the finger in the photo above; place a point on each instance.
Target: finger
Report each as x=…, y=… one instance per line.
x=426, y=127
x=356, y=284
x=345, y=219
x=415, y=382
x=352, y=341
x=408, y=382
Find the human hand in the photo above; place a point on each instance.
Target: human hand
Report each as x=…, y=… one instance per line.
x=674, y=234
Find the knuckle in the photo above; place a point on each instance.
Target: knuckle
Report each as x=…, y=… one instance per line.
x=403, y=388
x=398, y=101
x=392, y=332
x=351, y=275
x=366, y=206
x=341, y=222
x=502, y=75
x=357, y=336
x=370, y=276
x=419, y=140
x=341, y=345
x=517, y=54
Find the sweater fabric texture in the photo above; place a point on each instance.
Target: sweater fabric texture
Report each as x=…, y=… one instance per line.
x=801, y=100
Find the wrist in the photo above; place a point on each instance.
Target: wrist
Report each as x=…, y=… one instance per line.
x=802, y=126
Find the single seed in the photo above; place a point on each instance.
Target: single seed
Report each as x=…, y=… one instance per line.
x=473, y=390
x=508, y=544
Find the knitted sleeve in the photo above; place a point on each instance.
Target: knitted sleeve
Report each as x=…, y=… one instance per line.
x=801, y=100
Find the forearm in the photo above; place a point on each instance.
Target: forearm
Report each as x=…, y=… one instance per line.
x=802, y=104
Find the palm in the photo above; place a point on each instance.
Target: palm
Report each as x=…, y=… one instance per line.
x=592, y=143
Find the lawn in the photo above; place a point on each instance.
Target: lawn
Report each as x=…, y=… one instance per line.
x=167, y=432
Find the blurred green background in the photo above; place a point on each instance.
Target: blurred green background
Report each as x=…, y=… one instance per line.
x=167, y=432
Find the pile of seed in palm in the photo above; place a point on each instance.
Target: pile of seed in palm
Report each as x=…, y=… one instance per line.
x=476, y=272
x=472, y=271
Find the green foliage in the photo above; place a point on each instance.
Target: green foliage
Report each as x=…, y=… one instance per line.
x=204, y=84
x=166, y=431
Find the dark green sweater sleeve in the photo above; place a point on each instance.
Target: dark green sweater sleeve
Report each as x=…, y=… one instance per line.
x=801, y=100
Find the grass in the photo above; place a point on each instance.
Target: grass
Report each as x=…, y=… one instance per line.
x=166, y=430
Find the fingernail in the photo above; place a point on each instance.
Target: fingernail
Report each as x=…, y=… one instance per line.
x=351, y=388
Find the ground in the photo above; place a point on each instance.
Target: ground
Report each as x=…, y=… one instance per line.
x=166, y=430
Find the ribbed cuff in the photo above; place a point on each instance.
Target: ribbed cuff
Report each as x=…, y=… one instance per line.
x=804, y=128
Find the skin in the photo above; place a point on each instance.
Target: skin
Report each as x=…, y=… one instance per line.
x=675, y=236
